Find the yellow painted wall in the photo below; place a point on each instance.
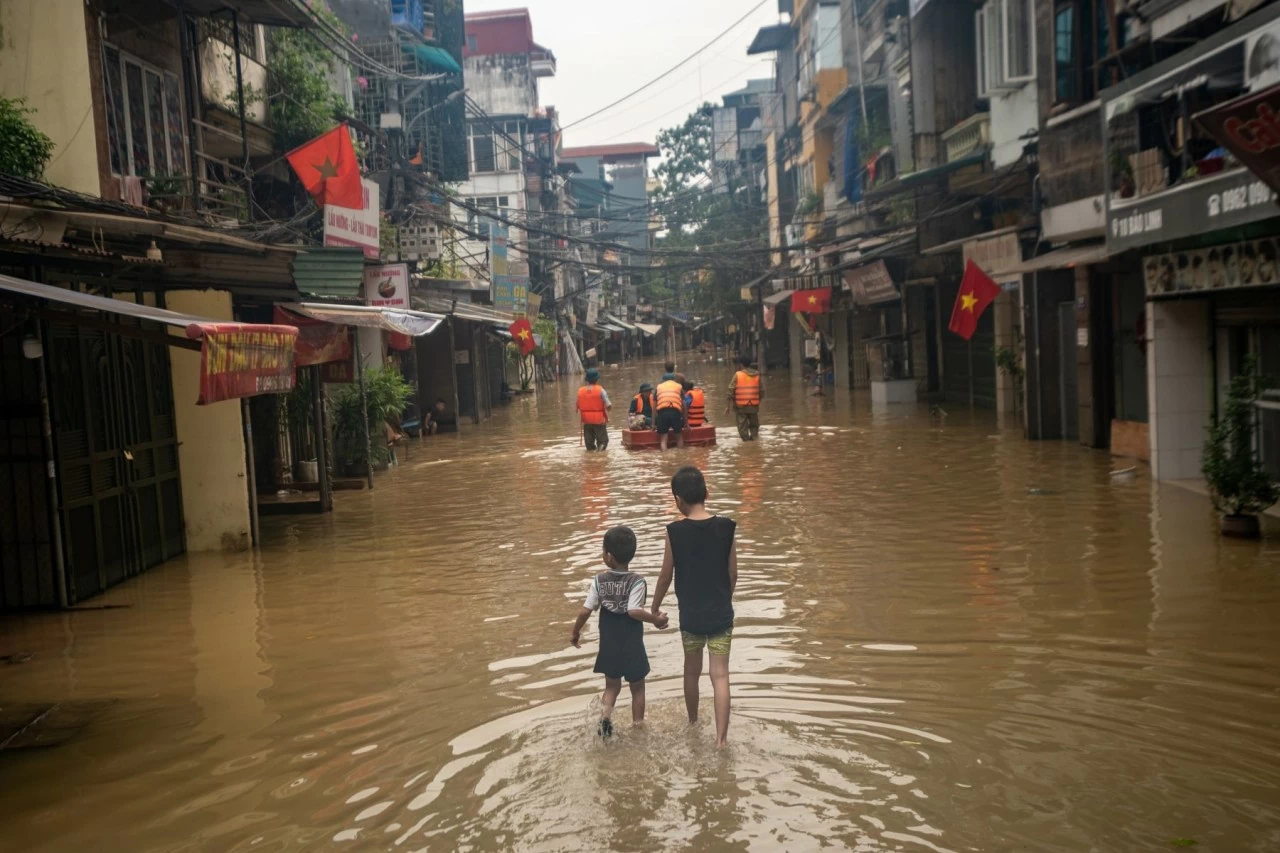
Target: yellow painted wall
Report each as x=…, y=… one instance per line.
x=215, y=495
x=44, y=57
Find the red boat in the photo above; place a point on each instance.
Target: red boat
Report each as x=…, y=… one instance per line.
x=647, y=439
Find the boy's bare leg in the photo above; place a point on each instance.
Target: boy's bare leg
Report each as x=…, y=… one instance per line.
x=720, y=689
x=612, y=687
x=637, y=701
x=692, y=674
x=662, y=445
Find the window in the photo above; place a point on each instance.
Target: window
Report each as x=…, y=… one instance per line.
x=1081, y=44
x=144, y=117
x=1004, y=33
x=221, y=29
x=477, y=222
x=495, y=146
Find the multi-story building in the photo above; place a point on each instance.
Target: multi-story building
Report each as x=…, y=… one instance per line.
x=508, y=172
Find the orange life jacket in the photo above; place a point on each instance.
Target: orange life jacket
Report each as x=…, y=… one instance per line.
x=697, y=408
x=670, y=395
x=641, y=400
x=591, y=404
x=746, y=391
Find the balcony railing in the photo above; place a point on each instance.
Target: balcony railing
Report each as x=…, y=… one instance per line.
x=968, y=137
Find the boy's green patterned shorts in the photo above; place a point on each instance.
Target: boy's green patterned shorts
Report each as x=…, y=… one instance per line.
x=717, y=644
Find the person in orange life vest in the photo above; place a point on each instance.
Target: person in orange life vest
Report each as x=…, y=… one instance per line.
x=640, y=412
x=695, y=405
x=593, y=407
x=745, y=394
x=668, y=416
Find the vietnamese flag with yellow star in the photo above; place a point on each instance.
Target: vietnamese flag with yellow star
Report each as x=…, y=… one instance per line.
x=328, y=168
x=522, y=334
x=977, y=291
x=815, y=301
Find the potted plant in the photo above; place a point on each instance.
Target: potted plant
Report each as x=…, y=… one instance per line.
x=1239, y=485
x=387, y=394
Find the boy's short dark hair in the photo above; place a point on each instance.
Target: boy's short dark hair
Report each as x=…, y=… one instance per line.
x=744, y=360
x=620, y=543
x=689, y=485
x=669, y=367
x=687, y=385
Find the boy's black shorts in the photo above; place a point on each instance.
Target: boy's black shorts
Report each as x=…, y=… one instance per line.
x=668, y=420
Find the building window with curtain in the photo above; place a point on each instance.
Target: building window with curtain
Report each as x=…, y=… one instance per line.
x=144, y=117
x=1081, y=44
x=1004, y=36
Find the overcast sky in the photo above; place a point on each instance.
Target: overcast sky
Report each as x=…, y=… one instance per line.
x=606, y=48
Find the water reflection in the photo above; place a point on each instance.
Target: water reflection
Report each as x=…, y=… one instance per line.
x=947, y=639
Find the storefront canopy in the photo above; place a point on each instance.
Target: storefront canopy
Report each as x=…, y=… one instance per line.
x=406, y=322
x=649, y=328
x=778, y=298
x=617, y=321
x=1063, y=258
x=236, y=359
x=463, y=310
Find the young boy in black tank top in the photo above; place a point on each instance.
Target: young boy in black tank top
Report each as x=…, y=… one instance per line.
x=701, y=554
x=619, y=596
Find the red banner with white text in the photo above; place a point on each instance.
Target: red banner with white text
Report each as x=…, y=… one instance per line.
x=243, y=360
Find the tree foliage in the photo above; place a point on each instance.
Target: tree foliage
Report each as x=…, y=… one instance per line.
x=719, y=223
x=24, y=150
x=302, y=100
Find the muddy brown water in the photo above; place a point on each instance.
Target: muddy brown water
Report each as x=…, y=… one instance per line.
x=948, y=639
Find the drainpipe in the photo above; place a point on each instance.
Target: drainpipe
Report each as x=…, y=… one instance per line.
x=1035, y=306
x=244, y=131
x=51, y=471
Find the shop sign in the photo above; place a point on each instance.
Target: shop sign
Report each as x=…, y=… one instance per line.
x=593, y=309
x=1207, y=196
x=1249, y=127
x=318, y=342
x=499, y=237
x=345, y=226
x=510, y=293
x=1250, y=264
x=338, y=372
x=534, y=305
x=871, y=284
x=387, y=286
x=236, y=361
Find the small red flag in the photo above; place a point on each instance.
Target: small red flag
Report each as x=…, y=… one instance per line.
x=977, y=291
x=816, y=301
x=328, y=168
x=522, y=334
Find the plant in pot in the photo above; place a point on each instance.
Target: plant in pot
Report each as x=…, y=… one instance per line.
x=1239, y=485
x=388, y=394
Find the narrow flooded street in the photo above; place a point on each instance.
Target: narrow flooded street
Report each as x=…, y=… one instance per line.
x=948, y=639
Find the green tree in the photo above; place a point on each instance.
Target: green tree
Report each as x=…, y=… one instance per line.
x=24, y=150
x=718, y=230
x=302, y=101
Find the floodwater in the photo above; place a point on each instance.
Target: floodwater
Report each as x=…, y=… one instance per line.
x=948, y=639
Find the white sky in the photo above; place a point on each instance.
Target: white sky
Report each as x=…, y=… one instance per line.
x=606, y=48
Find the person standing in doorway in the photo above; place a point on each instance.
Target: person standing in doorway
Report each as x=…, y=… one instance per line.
x=668, y=417
x=593, y=407
x=702, y=558
x=745, y=394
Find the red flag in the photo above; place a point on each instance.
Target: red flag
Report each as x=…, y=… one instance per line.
x=816, y=301
x=522, y=333
x=328, y=168
x=977, y=291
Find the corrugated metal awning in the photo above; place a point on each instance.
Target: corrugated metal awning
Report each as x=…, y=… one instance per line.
x=335, y=273
x=462, y=310
x=617, y=321
x=778, y=298
x=649, y=328
x=1064, y=258
x=237, y=359
x=406, y=322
